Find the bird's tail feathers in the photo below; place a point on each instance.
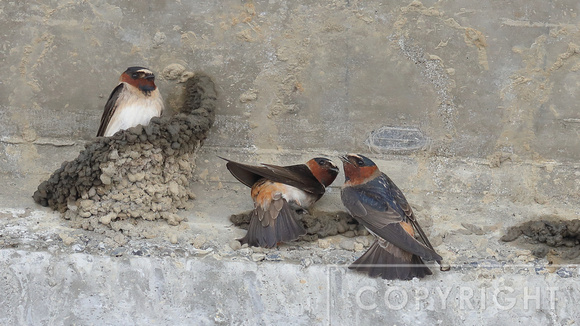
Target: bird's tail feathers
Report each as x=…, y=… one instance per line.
x=390, y=262
x=284, y=227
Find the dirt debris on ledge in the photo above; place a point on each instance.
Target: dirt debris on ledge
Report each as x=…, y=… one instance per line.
x=138, y=175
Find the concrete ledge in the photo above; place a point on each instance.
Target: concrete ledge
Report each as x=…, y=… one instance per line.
x=40, y=288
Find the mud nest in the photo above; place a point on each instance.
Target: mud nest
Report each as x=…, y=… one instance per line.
x=139, y=173
x=317, y=224
x=545, y=234
x=552, y=233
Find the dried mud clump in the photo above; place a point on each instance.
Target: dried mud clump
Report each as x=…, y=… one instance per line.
x=552, y=233
x=559, y=240
x=318, y=224
x=140, y=173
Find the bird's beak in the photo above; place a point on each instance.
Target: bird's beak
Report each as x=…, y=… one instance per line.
x=147, y=88
x=150, y=77
x=345, y=159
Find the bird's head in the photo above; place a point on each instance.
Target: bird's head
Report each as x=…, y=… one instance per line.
x=323, y=169
x=358, y=169
x=139, y=77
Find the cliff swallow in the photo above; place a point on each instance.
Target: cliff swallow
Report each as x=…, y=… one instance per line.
x=278, y=191
x=377, y=203
x=133, y=102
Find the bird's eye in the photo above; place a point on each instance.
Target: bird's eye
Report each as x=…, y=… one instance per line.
x=360, y=162
x=135, y=75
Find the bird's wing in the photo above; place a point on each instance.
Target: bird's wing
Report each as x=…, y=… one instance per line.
x=381, y=208
x=403, y=206
x=398, y=236
x=298, y=176
x=110, y=108
x=370, y=202
x=419, y=230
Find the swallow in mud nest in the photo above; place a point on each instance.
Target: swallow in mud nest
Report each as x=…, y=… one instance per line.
x=133, y=102
x=278, y=191
x=377, y=203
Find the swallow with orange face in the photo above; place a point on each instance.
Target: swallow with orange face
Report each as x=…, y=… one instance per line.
x=133, y=102
x=376, y=202
x=278, y=191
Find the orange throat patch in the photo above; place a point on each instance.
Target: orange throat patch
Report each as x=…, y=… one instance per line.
x=359, y=175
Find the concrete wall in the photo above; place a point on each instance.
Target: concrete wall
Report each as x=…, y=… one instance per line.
x=470, y=106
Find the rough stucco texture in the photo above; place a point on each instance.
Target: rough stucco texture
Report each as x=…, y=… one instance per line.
x=475, y=77
x=475, y=80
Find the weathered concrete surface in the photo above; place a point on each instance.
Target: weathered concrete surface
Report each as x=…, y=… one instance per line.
x=79, y=289
x=470, y=107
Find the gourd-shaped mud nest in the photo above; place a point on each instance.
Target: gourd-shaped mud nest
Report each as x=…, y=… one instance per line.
x=141, y=173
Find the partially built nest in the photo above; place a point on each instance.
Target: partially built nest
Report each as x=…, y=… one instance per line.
x=139, y=173
x=550, y=236
x=318, y=224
